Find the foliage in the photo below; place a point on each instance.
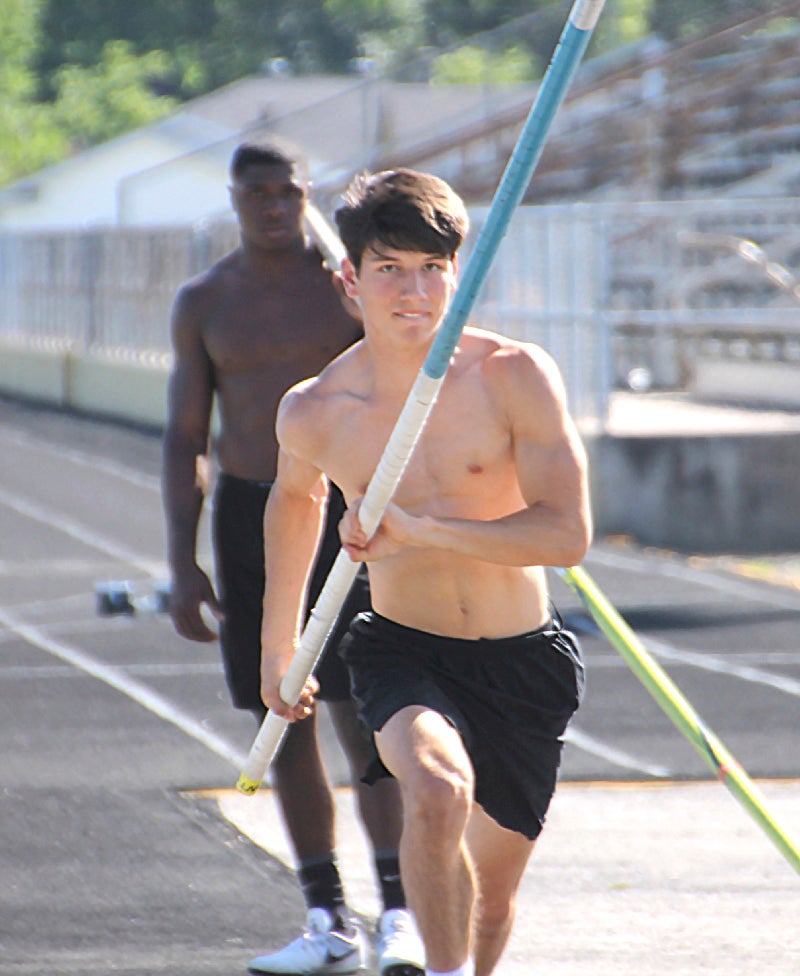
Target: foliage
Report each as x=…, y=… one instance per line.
x=470, y=65
x=76, y=32
x=30, y=139
x=27, y=137
x=74, y=72
x=100, y=102
x=684, y=19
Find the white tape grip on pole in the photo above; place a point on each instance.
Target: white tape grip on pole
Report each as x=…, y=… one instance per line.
x=399, y=449
x=587, y=13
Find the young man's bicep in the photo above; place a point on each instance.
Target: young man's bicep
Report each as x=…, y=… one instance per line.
x=553, y=474
x=294, y=513
x=191, y=381
x=299, y=478
x=549, y=454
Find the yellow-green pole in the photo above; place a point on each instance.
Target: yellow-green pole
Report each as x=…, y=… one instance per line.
x=669, y=697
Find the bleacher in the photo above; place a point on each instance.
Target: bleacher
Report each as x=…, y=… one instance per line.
x=719, y=113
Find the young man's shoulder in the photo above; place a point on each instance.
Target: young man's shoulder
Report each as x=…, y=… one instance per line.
x=210, y=281
x=501, y=354
x=340, y=377
x=310, y=409
x=522, y=377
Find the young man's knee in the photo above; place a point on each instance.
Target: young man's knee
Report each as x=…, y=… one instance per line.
x=440, y=797
x=496, y=908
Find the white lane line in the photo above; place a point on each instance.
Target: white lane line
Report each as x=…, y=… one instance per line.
x=81, y=458
x=72, y=603
x=631, y=563
x=33, y=568
x=734, y=667
x=757, y=593
x=83, y=533
x=119, y=680
x=92, y=625
x=617, y=757
x=710, y=662
x=788, y=658
x=22, y=672
x=774, y=596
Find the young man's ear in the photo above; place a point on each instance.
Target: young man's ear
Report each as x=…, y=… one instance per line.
x=351, y=305
x=349, y=278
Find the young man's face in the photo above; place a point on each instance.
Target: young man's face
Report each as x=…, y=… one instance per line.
x=269, y=200
x=403, y=294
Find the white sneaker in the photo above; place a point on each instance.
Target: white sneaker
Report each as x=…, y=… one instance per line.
x=399, y=947
x=319, y=951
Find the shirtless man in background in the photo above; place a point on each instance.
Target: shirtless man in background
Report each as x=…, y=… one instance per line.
x=262, y=318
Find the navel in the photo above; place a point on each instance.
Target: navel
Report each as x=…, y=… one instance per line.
x=475, y=468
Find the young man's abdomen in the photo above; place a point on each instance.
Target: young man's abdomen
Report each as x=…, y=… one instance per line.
x=465, y=599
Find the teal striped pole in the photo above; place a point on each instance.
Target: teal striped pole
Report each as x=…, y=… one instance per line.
x=517, y=175
x=514, y=182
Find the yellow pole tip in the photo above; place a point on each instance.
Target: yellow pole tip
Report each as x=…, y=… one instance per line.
x=246, y=785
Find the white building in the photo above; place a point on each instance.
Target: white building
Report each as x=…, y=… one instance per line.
x=175, y=171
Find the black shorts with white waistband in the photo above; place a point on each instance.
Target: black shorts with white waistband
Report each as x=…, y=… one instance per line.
x=510, y=700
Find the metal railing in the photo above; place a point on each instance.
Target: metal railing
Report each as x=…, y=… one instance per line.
x=110, y=288
x=607, y=288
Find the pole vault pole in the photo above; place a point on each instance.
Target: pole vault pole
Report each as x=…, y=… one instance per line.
x=669, y=697
x=571, y=45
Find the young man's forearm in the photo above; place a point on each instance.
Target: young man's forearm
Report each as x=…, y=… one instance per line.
x=292, y=530
x=184, y=487
x=532, y=537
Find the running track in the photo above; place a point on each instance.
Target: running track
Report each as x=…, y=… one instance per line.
x=79, y=504
x=107, y=722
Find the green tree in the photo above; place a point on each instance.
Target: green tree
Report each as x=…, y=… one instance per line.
x=387, y=32
x=472, y=65
x=209, y=42
x=73, y=72
x=533, y=23
x=102, y=101
x=683, y=19
x=28, y=137
x=76, y=31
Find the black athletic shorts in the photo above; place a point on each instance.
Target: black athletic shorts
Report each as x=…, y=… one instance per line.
x=510, y=699
x=238, y=532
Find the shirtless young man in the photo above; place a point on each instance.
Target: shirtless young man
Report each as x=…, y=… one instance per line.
x=461, y=673
x=262, y=318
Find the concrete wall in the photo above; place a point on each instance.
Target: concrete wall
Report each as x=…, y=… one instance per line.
x=35, y=372
x=702, y=493
x=775, y=384
x=130, y=388
x=698, y=493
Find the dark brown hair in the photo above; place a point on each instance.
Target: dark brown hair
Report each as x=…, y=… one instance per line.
x=404, y=209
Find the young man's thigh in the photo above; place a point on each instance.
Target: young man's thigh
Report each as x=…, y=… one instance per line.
x=418, y=743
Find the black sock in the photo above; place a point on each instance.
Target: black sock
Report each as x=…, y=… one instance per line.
x=387, y=866
x=322, y=887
